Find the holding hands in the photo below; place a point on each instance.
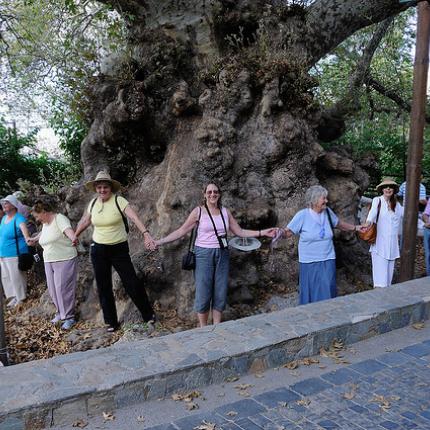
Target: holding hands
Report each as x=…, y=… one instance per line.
x=150, y=243
x=269, y=232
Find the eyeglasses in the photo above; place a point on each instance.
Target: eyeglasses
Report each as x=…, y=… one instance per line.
x=214, y=192
x=322, y=232
x=391, y=187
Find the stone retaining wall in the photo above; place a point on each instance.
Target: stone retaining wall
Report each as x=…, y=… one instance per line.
x=42, y=393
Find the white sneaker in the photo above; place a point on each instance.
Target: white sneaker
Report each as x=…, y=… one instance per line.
x=68, y=324
x=12, y=303
x=56, y=319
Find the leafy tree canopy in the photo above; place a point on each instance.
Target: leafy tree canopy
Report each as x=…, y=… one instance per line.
x=380, y=125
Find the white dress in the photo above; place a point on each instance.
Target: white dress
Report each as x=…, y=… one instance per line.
x=386, y=248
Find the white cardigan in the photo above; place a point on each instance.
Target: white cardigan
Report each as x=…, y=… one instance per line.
x=388, y=228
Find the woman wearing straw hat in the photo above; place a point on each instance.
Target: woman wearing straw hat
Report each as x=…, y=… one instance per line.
x=387, y=213
x=13, y=236
x=108, y=214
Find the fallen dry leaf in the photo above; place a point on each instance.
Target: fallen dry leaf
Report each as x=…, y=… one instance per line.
x=191, y=406
x=283, y=404
x=80, y=424
x=309, y=361
x=231, y=413
x=206, y=426
x=186, y=397
x=232, y=379
x=140, y=419
x=349, y=395
x=384, y=403
x=108, y=416
x=418, y=326
x=243, y=386
x=303, y=402
x=291, y=365
x=259, y=375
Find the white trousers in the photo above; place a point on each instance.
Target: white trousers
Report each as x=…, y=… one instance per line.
x=14, y=281
x=382, y=271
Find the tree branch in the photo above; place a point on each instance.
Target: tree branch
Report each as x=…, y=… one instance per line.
x=392, y=95
x=349, y=103
x=134, y=8
x=329, y=22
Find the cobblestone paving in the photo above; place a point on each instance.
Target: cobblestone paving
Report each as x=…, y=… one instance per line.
x=389, y=392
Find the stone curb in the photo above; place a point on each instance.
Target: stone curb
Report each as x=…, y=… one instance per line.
x=60, y=390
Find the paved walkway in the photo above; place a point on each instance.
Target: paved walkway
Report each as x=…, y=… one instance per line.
x=380, y=383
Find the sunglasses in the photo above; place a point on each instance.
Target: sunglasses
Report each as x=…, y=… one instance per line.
x=391, y=187
x=214, y=192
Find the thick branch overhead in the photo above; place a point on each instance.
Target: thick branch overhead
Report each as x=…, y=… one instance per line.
x=330, y=22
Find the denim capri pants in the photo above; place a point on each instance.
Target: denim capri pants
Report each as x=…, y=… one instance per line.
x=211, y=276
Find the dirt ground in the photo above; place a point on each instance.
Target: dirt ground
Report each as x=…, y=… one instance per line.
x=33, y=338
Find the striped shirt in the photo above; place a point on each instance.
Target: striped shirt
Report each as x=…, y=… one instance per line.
x=402, y=191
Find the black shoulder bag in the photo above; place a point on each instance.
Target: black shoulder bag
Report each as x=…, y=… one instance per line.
x=189, y=259
x=222, y=240
x=25, y=261
x=124, y=219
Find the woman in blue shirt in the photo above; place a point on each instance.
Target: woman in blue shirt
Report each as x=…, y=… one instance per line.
x=317, y=259
x=13, y=232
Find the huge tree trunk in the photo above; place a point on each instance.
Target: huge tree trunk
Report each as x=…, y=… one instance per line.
x=220, y=91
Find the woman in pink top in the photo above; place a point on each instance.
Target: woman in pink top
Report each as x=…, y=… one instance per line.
x=211, y=249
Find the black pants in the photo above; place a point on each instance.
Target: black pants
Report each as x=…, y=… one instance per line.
x=103, y=258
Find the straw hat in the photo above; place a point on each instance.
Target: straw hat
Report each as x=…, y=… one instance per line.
x=103, y=177
x=245, y=243
x=387, y=181
x=12, y=200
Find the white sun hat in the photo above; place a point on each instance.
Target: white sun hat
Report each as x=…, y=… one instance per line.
x=245, y=243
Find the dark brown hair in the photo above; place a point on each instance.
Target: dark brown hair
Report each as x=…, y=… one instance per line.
x=44, y=204
x=393, y=202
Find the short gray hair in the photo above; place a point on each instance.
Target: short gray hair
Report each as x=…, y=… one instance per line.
x=313, y=194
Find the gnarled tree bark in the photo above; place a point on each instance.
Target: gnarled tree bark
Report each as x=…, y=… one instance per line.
x=220, y=91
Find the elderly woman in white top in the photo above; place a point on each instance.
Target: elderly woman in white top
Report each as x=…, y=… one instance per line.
x=387, y=213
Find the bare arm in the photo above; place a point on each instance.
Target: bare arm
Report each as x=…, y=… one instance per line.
x=134, y=217
x=185, y=228
x=32, y=241
x=69, y=233
x=83, y=224
x=237, y=230
x=24, y=229
x=346, y=226
x=286, y=232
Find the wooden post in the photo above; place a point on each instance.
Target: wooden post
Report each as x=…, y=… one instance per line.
x=415, y=150
x=3, y=349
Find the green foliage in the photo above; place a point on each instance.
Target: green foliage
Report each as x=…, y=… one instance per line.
x=70, y=130
x=53, y=49
x=20, y=161
x=380, y=126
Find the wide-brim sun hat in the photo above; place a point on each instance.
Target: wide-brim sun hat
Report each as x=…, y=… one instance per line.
x=245, y=243
x=12, y=200
x=103, y=177
x=387, y=181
